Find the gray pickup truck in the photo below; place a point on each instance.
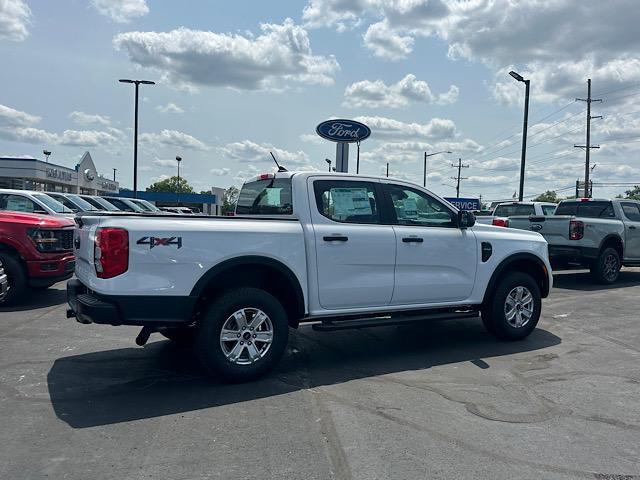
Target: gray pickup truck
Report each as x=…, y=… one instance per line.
x=602, y=235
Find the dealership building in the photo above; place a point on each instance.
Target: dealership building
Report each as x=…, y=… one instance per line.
x=33, y=174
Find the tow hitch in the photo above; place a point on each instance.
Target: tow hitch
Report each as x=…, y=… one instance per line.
x=144, y=335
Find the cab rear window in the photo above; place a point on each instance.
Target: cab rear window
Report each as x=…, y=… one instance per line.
x=513, y=209
x=589, y=209
x=271, y=196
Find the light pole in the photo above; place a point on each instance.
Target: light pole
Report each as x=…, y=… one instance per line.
x=178, y=159
x=329, y=162
x=424, y=176
x=520, y=78
x=135, y=131
x=46, y=155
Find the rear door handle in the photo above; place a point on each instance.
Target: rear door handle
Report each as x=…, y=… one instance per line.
x=413, y=240
x=632, y=227
x=335, y=238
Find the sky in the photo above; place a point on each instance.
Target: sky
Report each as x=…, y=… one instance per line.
x=236, y=80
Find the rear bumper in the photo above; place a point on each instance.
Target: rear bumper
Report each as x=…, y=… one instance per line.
x=50, y=270
x=157, y=311
x=561, y=254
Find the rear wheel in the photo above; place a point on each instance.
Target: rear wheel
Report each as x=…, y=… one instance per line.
x=242, y=335
x=606, y=268
x=513, y=310
x=16, y=277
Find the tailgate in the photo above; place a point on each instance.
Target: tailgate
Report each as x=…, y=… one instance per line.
x=554, y=228
x=83, y=245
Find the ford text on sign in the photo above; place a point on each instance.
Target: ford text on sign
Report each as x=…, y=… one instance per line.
x=465, y=203
x=341, y=130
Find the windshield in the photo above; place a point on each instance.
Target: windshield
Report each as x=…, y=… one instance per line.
x=511, y=209
x=266, y=197
x=82, y=203
x=53, y=204
x=101, y=204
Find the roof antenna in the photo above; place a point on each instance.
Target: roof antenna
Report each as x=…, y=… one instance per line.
x=280, y=168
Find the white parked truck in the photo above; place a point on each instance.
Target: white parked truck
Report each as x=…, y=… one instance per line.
x=599, y=234
x=338, y=250
x=502, y=212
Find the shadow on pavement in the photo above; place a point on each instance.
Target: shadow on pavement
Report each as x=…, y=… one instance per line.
x=582, y=280
x=136, y=383
x=38, y=299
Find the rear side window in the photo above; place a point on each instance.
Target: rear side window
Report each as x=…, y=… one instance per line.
x=511, y=209
x=548, y=209
x=631, y=211
x=347, y=201
x=586, y=209
x=271, y=196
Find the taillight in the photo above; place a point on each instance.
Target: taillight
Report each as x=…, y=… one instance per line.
x=500, y=222
x=111, y=252
x=576, y=230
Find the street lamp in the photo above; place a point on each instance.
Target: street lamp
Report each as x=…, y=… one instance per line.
x=424, y=177
x=178, y=159
x=329, y=162
x=46, y=155
x=135, y=131
x=520, y=78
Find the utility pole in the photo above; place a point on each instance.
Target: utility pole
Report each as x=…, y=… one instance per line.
x=387, y=169
x=459, y=166
x=114, y=174
x=588, y=146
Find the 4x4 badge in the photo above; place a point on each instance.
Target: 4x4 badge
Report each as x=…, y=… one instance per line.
x=159, y=241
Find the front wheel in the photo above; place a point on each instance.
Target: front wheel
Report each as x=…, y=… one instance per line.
x=242, y=335
x=606, y=268
x=16, y=277
x=513, y=311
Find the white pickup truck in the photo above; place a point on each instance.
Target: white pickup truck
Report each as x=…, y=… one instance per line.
x=338, y=250
x=502, y=212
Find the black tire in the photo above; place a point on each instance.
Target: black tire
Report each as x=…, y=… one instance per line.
x=183, y=336
x=208, y=344
x=17, y=277
x=44, y=286
x=606, y=268
x=494, y=315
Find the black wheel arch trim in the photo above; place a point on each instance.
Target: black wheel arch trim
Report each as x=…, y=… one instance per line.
x=611, y=236
x=504, y=264
x=226, y=265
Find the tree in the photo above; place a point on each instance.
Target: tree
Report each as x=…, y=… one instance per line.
x=172, y=185
x=633, y=194
x=230, y=199
x=548, y=196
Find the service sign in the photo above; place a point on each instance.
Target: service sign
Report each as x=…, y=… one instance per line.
x=465, y=203
x=340, y=130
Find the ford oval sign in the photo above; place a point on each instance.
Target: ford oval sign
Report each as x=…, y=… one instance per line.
x=343, y=131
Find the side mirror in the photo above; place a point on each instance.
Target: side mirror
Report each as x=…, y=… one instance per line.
x=466, y=219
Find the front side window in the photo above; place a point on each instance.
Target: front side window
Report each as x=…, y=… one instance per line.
x=18, y=203
x=631, y=211
x=347, y=201
x=413, y=207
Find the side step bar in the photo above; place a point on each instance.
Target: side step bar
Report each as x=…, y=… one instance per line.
x=333, y=325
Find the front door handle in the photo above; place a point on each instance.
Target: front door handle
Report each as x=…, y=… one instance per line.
x=335, y=238
x=413, y=240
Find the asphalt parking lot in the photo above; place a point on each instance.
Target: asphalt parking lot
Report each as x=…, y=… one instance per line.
x=437, y=401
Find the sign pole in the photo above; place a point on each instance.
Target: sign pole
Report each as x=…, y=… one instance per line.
x=342, y=157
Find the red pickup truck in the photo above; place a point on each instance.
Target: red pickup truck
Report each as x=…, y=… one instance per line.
x=35, y=251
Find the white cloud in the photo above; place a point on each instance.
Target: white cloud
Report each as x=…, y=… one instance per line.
x=248, y=151
x=165, y=163
x=169, y=108
x=281, y=55
x=375, y=94
x=14, y=18
x=12, y=117
x=386, y=43
x=219, y=172
x=312, y=138
x=341, y=14
x=173, y=138
x=86, y=138
x=436, y=129
x=121, y=11
x=28, y=135
x=82, y=118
